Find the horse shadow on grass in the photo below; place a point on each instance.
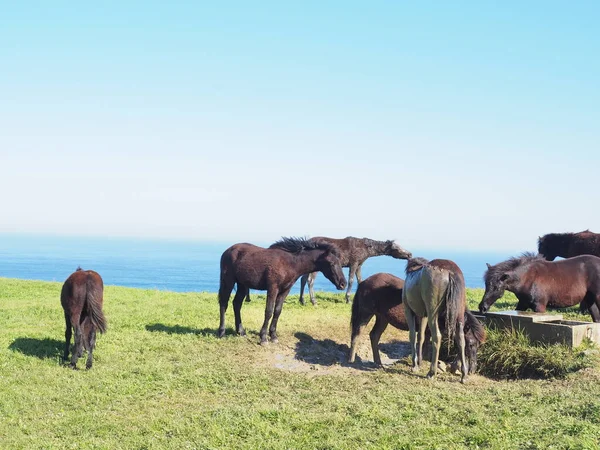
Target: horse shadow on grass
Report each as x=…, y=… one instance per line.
x=46, y=348
x=179, y=329
x=327, y=352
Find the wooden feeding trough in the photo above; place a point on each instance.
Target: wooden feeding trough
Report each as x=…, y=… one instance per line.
x=542, y=327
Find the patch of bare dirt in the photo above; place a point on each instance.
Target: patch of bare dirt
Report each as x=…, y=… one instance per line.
x=316, y=356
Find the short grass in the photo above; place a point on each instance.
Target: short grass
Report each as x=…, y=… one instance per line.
x=161, y=379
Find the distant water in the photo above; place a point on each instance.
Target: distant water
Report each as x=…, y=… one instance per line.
x=172, y=265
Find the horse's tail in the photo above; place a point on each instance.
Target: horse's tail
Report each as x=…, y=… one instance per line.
x=455, y=304
x=355, y=317
x=93, y=301
x=223, y=294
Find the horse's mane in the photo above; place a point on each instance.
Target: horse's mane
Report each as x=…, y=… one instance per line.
x=475, y=326
x=494, y=273
x=299, y=244
x=414, y=264
x=562, y=238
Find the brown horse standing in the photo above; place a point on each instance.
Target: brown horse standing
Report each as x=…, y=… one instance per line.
x=539, y=284
x=567, y=245
x=433, y=288
x=81, y=298
x=353, y=253
x=380, y=295
x=274, y=269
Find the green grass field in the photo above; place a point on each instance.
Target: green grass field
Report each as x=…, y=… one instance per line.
x=161, y=379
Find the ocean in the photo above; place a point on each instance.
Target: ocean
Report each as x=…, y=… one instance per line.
x=174, y=265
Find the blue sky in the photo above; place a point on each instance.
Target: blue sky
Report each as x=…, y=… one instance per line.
x=462, y=125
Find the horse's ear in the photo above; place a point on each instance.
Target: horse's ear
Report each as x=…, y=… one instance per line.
x=488, y=265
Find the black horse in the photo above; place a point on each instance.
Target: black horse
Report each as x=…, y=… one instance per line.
x=275, y=270
x=81, y=298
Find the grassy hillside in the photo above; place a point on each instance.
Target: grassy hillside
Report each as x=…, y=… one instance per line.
x=161, y=379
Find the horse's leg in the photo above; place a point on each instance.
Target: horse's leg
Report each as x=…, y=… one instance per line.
x=357, y=330
x=311, y=285
x=421, y=338
x=278, y=307
x=91, y=345
x=78, y=346
x=303, y=281
x=68, y=334
x=378, y=329
x=270, y=306
x=461, y=349
x=412, y=332
x=351, y=273
x=224, y=293
x=436, y=340
x=238, y=301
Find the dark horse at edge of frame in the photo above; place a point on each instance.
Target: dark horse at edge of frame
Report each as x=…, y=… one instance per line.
x=433, y=289
x=274, y=269
x=568, y=245
x=353, y=253
x=81, y=298
x=539, y=284
x=380, y=295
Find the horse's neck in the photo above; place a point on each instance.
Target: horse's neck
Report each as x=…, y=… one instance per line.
x=375, y=248
x=306, y=262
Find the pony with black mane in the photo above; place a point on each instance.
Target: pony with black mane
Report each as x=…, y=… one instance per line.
x=539, y=284
x=353, y=253
x=81, y=298
x=275, y=270
x=568, y=245
x=380, y=295
x=431, y=289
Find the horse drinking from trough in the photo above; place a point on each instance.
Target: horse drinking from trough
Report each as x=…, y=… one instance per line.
x=539, y=284
x=81, y=298
x=353, y=253
x=274, y=269
x=380, y=295
x=433, y=288
x=568, y=245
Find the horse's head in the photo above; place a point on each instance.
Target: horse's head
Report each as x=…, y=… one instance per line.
x=396, y=251
x=329, y=264
x=474, y=336
x=496, y=282
x=546, y=248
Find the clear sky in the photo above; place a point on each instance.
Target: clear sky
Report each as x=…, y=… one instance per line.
x=462, y=125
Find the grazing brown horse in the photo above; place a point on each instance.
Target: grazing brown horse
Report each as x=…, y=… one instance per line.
x=433, y=288
x=567, y=245
x=81, y=298
x=539, y=284
x=274, y=269
x=353, y=253
x=380, y=295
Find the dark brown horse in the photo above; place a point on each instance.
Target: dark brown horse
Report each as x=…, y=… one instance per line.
x=435, y=288
x=380, y=295
x=539, y=284
x=274, y=269
x=81, y=298
x=567, y=245
x=353, y=253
